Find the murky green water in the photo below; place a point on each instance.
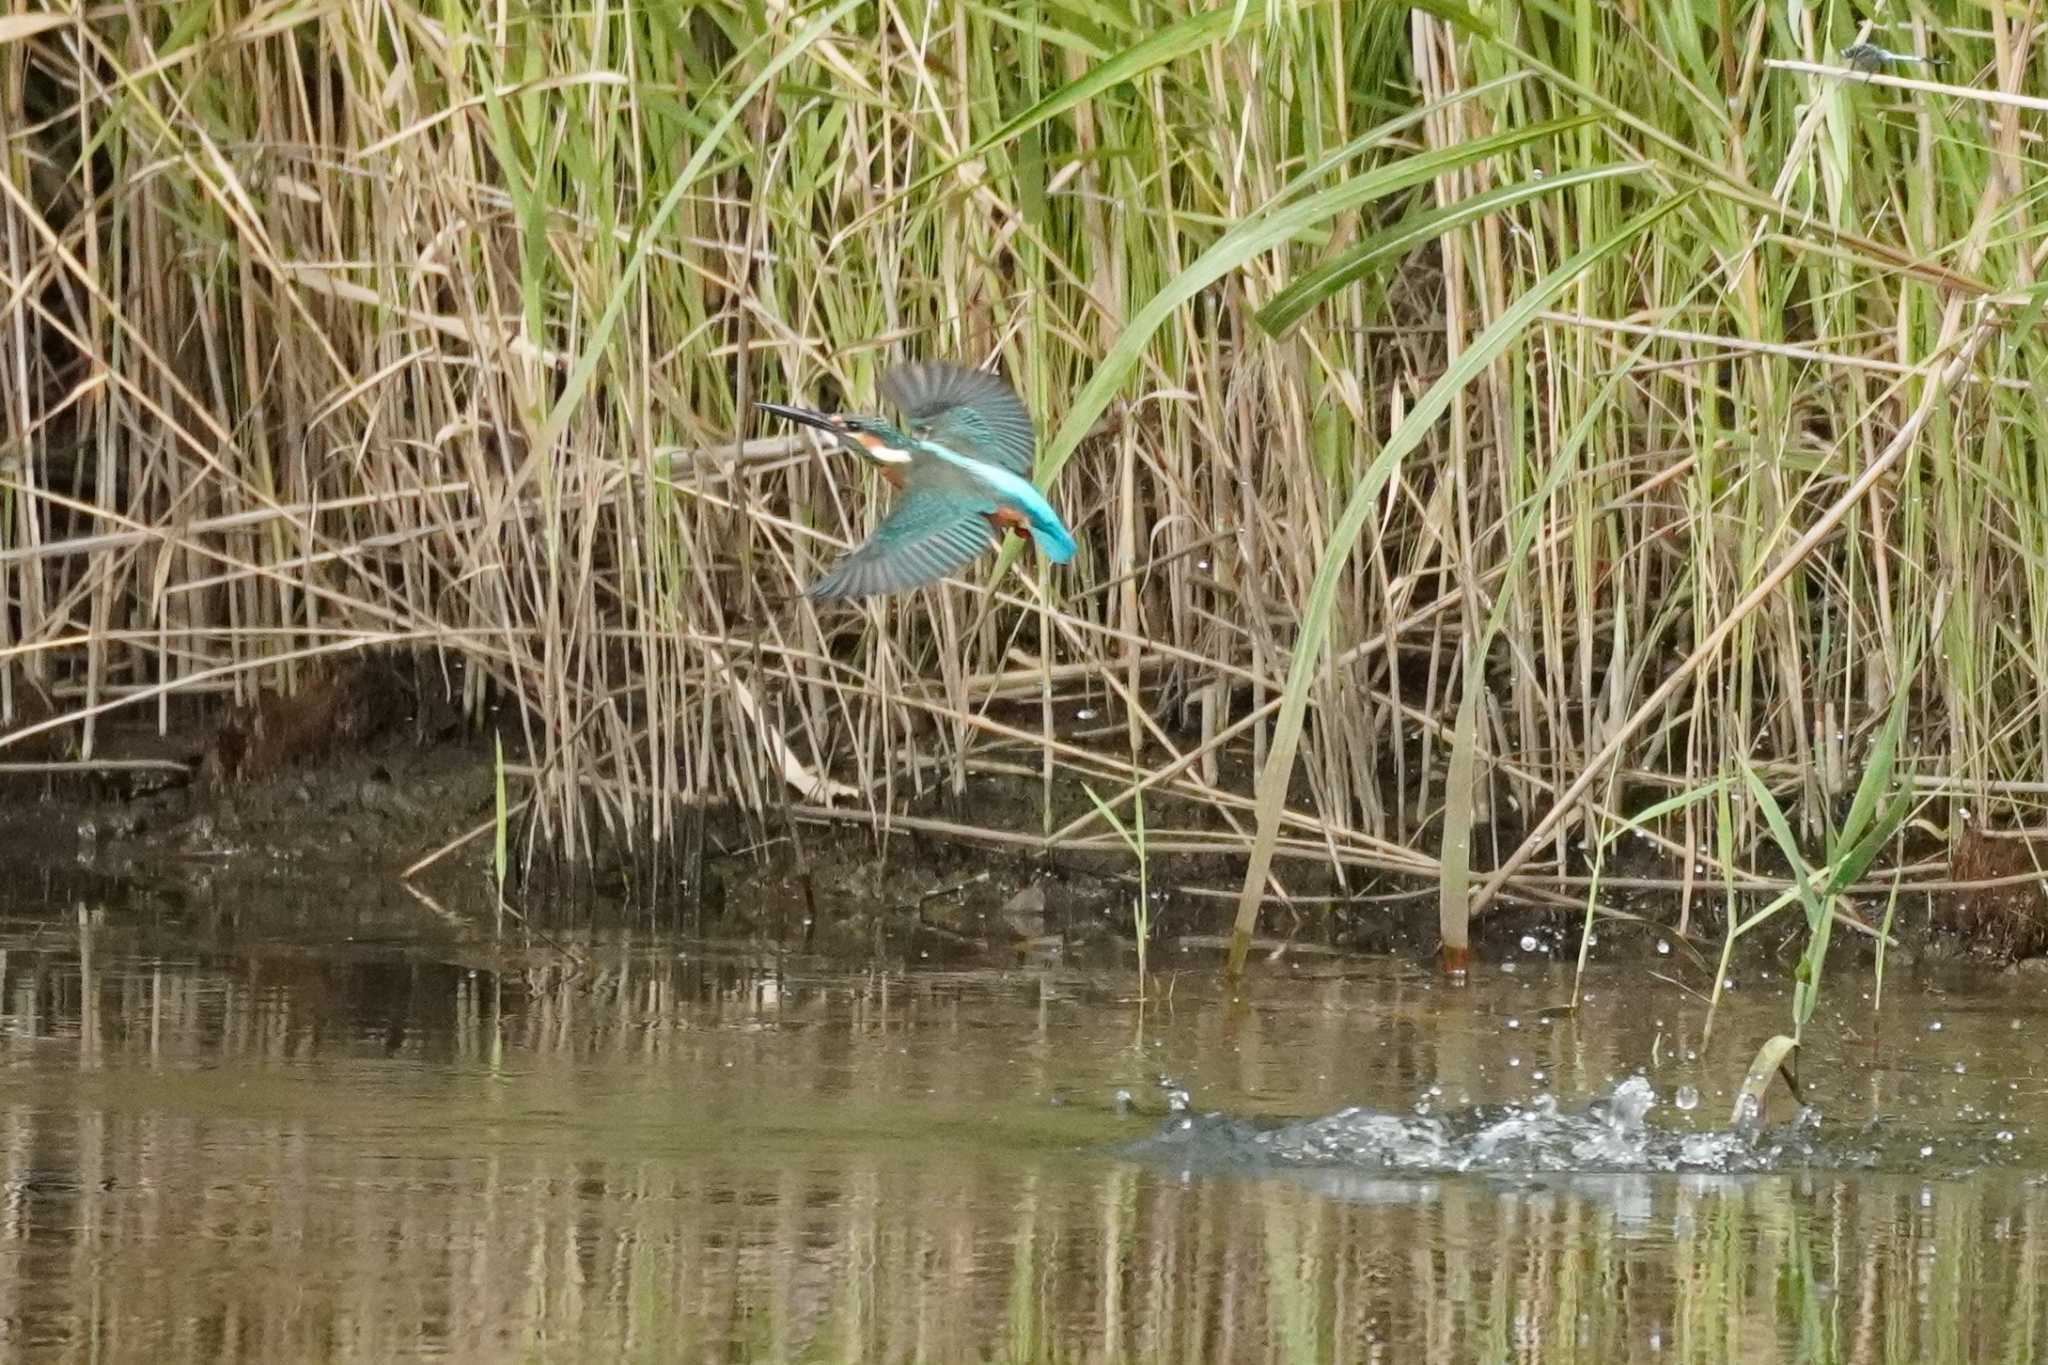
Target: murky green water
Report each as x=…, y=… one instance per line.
x=215, y=1148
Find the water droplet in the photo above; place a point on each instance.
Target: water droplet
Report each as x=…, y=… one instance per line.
x=1934, y=1027
x=1201, y=563
x=1514, y=1022
x=1514, y=1062
x=1663, y=948
x=1961, y=1069
x=1687, y=1098
x=1508, y=967
x=1528, y=943
x=1085, y=713
x=1927, y=1149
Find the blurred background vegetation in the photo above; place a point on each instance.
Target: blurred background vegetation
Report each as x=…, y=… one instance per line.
x=1566, y=404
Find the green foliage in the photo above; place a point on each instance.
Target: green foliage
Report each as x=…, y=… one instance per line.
x=1427, y=385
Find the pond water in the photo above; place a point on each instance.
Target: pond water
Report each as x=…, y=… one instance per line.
x=225, y=1147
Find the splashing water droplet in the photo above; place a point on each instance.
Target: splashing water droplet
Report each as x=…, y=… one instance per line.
x=1687, y=1098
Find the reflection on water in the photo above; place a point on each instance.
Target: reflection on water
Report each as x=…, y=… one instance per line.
x=276, y=1153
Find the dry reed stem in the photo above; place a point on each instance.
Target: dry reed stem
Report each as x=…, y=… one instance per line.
x=283, y=365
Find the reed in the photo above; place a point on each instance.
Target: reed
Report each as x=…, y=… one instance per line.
x=1614, y=400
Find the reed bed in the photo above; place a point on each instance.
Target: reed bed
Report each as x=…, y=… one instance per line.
x=1500, y=419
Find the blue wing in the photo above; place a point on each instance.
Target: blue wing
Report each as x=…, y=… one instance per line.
x=1001, y=487
x=973, y=412
x=927, y=535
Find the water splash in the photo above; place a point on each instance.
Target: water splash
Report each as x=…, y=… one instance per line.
x=1611, y=1135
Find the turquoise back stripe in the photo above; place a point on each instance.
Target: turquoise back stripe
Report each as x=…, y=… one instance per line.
x=1050, y=534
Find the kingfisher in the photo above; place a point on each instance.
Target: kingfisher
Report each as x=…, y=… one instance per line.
x=961, y=465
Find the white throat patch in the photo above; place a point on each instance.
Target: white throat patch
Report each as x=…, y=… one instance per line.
x=883, y=451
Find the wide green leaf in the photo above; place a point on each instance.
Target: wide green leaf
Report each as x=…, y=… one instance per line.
x=1244, y=243
x=1176, y=40
x=1756, y=1083
x=1252, y=239
x=1315, y=621
x=1296, y=301
x=581, y=373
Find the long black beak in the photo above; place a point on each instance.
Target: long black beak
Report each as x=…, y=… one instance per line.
x=819, y=420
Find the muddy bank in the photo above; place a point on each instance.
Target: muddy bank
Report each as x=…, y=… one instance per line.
x=324, y=805
x=318, y=811
x=323, y=835
x=328, y=836
x=328, y=844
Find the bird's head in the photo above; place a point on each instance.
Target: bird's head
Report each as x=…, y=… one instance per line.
x=867, y=436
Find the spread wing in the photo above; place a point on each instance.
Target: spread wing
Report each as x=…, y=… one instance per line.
x=927, y=535
x=973, y=412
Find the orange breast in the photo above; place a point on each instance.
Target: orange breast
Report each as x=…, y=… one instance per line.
x=1009, y=519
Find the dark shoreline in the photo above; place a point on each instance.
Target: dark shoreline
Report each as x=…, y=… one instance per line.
x=322, y=848
x=345, y=788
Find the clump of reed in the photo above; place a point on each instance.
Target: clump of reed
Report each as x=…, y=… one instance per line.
x=1498, y=419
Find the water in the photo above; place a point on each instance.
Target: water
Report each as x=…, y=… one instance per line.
x=215, y=1146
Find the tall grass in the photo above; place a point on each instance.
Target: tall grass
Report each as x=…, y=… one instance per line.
x=338, y=326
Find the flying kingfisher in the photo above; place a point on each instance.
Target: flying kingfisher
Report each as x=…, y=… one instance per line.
x=962, y=468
